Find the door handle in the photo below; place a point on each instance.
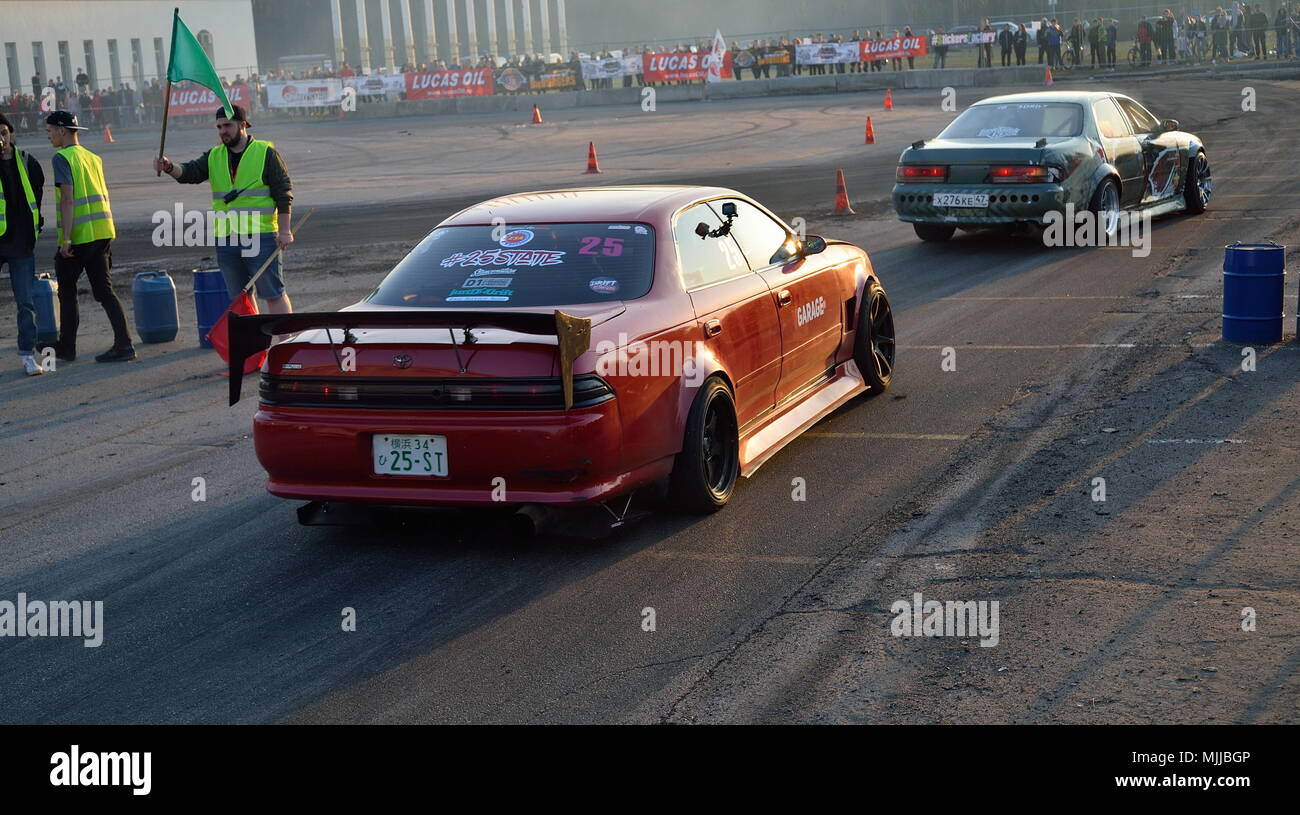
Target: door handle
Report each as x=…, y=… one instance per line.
x=783, y=297
x=712, y=328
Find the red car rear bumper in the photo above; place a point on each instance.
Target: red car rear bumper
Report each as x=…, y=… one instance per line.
x=550, y=457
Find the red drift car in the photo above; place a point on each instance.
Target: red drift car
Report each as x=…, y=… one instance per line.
x=570, y=347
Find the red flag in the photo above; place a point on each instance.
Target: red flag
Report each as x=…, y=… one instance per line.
x=219, y=336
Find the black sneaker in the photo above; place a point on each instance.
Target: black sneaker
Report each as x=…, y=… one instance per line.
x=64, y=354
x=118, y=353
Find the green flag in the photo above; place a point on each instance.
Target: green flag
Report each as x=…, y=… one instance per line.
x=190, y=61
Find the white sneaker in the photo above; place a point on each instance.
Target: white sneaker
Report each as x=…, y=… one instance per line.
x=31, y=367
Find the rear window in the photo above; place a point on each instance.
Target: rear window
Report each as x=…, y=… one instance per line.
x=1021, y=120
x=533, y=265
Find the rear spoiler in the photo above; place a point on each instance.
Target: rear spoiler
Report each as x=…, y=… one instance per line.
x=252, y=333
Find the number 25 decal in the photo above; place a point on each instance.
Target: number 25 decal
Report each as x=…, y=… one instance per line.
x=613, y=246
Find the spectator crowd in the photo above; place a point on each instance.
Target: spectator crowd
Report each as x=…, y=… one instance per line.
x=1239, y=31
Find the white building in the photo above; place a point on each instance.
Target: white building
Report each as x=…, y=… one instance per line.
x=117, y=41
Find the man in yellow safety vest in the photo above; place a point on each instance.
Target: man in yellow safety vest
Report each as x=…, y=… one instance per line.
x=85, y=233
x=252, y=197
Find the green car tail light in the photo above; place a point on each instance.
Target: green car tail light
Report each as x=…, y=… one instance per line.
x=937, y=173
x=1022, y=174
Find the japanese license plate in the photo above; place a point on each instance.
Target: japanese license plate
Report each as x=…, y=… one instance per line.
x=961, y=199
x=410, y=455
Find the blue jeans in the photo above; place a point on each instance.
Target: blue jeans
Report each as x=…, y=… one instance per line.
x=237, y=269
x=22, y=274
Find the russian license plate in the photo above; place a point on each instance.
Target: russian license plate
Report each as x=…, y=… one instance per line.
x=961, y=199
x=410, y=455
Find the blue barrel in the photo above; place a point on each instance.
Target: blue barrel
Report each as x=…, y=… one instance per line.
x=46, y=297
x=210, y=301
x=1254, y=277
x=156, y=318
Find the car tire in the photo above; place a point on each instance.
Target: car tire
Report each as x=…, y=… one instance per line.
x=705, y=472
x=1197, y=188
x=873, y=347
x=935, y=233
x=1099, y=202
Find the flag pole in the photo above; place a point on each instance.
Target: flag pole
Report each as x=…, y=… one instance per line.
x=253, y=280
x=167, y=103
x=167, y=95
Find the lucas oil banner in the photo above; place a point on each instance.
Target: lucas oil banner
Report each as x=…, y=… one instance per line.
x=441, y=84
x=895, y=48
x=194, y=100
x=680, y=66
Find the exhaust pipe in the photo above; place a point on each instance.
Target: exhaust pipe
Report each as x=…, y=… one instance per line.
x=531, y=520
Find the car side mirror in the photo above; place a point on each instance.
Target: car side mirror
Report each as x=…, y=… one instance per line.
x=1169, y=124
x=813, y=245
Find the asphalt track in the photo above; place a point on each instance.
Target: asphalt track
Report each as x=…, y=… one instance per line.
x=227, y=611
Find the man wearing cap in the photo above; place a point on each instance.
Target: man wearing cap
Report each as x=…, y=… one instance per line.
x=21, y=185
x=249, y=181
x=85, y=234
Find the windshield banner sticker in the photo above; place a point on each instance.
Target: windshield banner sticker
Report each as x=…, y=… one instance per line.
x=505, y=257
x=999, y=132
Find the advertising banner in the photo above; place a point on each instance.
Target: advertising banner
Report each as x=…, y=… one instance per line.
x=893, y=48
x=304, y=93
x=679, y=66
x=826, y=53
x=611, y=67
x=195, y=100
x=974, y=38
x=557, y=79
x=377, y=85
x=441, y=84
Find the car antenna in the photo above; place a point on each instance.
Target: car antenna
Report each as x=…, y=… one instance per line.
x=917, y=145
x=1041, y=142
x=451, y=333
x=330, y=336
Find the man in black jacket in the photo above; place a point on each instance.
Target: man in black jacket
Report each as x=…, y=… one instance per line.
x=1005, y=43
x=21, y=185
x=1259, y=30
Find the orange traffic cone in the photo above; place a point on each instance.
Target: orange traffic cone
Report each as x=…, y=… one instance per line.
x=1047, y=79
x=108, y=135
x=592, y=165
x=871, y=133
x=841, y=196
x=889, y=100
x=537, y=115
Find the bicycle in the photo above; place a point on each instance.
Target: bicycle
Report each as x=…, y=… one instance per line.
x=1134, y=56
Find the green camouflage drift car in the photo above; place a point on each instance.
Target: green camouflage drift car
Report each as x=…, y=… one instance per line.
x=1009, y=160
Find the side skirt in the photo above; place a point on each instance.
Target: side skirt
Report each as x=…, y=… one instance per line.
x=766, y=440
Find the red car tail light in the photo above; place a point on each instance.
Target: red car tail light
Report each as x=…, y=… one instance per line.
x=937, y=173
x=419, y=393
x=1019, y=174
